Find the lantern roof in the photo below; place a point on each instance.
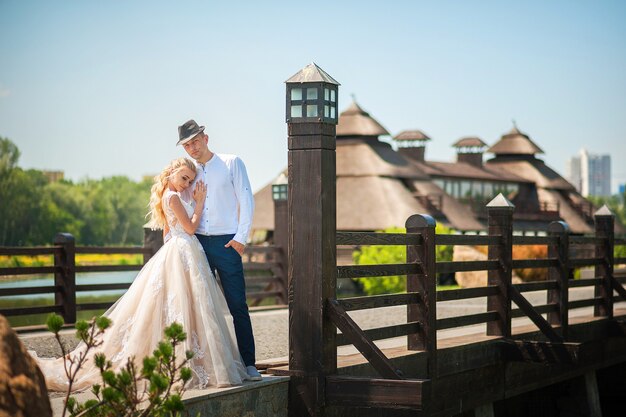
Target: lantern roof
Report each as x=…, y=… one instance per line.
x=469, y=141
x=410, y=135
x=311, y=74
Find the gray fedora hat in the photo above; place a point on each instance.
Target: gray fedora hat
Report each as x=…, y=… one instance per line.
x=187, y=131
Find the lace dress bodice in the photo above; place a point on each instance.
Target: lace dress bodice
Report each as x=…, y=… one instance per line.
x=176, y=229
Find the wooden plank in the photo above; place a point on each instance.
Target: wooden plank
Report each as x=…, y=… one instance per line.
x=584, y=303
x=470, y=240
x=103, y=287
x=107, y=250
x=380, y=393
x=94, y=306
x=263, y=294
x=108, y=268
x=467, y=320
x=259, y=266
x=379, y=333
x=586, y=240
x=28, y=251
x=584, y=282
x=535, y=286
x=535, y=317
x=542, y=309
x=48, y=289
x=22, y=311
x=534, y=240
x=378, y=301
x=534, y=263
x=464, y=293
x=618, y=261
x=367, y=238
x=542, y=352
x=619, y=242
x=619, y=289
x=447, y=267
x=368, y=349
x=585, y=262
x=255, y=249
x=360, y=271
x=28, y=270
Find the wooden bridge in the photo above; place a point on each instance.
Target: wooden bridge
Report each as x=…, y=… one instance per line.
x=491, y=373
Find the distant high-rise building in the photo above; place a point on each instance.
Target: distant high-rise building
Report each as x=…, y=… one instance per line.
x=590, y=174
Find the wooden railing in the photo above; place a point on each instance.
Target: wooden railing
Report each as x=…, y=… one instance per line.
x=264, y=269
x=421, y=297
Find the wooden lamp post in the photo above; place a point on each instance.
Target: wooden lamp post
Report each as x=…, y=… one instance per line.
x=281, y=227
x=311, y=120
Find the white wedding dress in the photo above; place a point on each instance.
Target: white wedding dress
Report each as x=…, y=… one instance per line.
x=175, y=285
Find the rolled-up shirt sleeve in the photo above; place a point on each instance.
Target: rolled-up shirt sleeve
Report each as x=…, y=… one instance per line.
x=245, y=200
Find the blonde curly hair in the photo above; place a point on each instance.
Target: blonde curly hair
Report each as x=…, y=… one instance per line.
x=156, y=213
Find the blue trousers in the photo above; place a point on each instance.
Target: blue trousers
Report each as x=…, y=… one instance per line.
x=227, y=263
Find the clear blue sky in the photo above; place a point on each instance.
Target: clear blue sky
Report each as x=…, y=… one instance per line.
x=98, y=88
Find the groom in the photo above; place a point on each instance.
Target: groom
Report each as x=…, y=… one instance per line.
x=224, y=228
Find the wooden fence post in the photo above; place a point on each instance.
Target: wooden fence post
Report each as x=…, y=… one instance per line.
x=65, y=259
x=281, y=241
x=425, y=284
x=500, y=223
x=561, y=274
x=153, y=240
x=604, y=220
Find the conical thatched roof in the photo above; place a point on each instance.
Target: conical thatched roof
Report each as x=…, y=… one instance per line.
x=373, y=158
x=515, y=143
x=355, y=122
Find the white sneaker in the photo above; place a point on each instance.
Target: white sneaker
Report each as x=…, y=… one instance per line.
x=253, y=374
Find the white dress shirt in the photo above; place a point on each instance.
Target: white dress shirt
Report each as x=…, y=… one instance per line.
x=229, y=203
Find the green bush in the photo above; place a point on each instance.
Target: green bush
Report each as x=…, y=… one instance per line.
x=121, y=394
x=382, y=254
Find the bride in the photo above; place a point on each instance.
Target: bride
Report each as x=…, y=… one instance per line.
x=175, y=285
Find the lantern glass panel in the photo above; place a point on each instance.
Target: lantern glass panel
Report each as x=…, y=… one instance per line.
x=296, y=111
x=311, y=110
x=311, y=93
x=332, y=95
x=326, y=110
x=326, y=94
x=296, y=94
x=332, y=112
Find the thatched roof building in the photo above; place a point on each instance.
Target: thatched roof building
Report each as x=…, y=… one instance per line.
x=379, y=187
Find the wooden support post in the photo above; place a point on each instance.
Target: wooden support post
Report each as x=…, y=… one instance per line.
x=281, y=241
x=604, y=220
x=66, y=276
x=500, y=223
x=152, y=240
x=425, y=284
x=312, y=264
x=561, y=274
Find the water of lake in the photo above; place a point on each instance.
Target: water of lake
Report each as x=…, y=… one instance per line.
x=81, y=278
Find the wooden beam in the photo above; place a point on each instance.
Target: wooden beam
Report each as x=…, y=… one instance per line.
x=382, y=393
x=619, y=288
x=378, y=301
x=355, y=335
x=536, y=318
x=542, y=352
